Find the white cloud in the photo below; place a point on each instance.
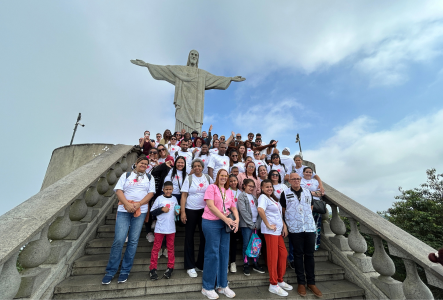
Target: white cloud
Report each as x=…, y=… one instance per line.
x=369, y=165
x=388, y=62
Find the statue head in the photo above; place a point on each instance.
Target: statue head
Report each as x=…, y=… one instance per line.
x=193, y=58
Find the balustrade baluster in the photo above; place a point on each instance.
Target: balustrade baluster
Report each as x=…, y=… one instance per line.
x=124, y=163
x=58, y=230
x=112, y=181
x=77, y=212
x=118, y=170
x=33, y=255
x=384, y=265
x=326, y=231
x=358, y=244
x=9, y=278
x=102, y=185
x=339, y=228
x=91, y=199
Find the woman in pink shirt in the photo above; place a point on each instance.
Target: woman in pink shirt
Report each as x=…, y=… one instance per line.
x=219, y=204
x=250, y=173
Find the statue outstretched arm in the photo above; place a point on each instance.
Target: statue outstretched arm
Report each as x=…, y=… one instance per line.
x=157, y=72
x=238, y=78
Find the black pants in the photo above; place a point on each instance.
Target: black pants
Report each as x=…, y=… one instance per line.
x=233, y=245
x=194, y=218
x=304, y=246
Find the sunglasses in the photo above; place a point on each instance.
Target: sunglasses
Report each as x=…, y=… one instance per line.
x=153, y=152
x=161, y=149
x=274, y=174
x=256, y=153
x=234, y=155
x=239, y=137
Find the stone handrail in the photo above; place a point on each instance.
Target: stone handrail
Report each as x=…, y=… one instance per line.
x=48, y=231
x=376, y=271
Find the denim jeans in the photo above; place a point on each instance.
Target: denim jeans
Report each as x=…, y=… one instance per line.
x=125, y=225
x=216, y=254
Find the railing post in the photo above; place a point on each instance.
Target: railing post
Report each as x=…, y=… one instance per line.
x=384, y=265
x=358, y=244
x=91, y=199
x=9, y=278
x=78, y=211
x=326, y=231
x=58, y=230
x=339, y=228
x=413, y=286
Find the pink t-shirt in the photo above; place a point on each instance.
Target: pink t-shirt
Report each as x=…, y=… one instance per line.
x=213, y=193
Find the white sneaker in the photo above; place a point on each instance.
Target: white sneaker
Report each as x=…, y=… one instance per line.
x=233, y=267
x=160, y=253
x=227, y=292
x=210, y=294
x=150, y=237
x=165, y=252
x=285, y=286
x=192, y=273
x=277, y=290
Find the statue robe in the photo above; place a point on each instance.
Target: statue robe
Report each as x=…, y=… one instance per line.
x=190, y=85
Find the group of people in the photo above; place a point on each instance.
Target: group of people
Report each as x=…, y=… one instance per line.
x=230, y=189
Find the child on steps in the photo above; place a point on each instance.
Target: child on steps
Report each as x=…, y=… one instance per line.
x=163, y=208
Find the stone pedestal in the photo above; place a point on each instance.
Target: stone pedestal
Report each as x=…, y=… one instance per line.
x=77, y=229
x=391, y=287
x=58, y=251
x=363, y=262
x=90, y=215
x=341, y=242
x=31, y=280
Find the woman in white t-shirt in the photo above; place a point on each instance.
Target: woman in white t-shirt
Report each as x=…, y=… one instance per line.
x=307, y=182
x=277, y=165
x=299, y=166
x=234, y=161
x=134, y=190
x=191, y=211
x=214, y=148
x=242, y=153
x=279, y=187
x=274, y=230
x=204, y=156
x=258, y=162
x=173, y=147
x=177, y=176
x=249, y=151
x=250, y=221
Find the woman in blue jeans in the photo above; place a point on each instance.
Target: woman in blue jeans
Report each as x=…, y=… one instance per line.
x=249, y=222
x=134, y=190
x=219, y=204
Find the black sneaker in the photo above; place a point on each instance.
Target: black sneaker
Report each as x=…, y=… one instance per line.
x=168, y=273
x=153, y=274
x=292, y=265
x=246, y=270
x=258, y=269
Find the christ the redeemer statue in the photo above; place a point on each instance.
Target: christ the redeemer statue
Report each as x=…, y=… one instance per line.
x=190, y=85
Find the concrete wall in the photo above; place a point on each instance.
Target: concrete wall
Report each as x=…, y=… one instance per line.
x=67, y=159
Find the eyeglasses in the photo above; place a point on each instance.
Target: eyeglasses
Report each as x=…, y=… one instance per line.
x=250, y=186
x=224, y=176
x=159, y=136
x=274, y=174
x=178, y=134
x=256, y=153
x=295, y=179
x=251, y=167
x=153, y=152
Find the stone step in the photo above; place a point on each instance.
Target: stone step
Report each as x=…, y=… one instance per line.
x=96, y=264
x=103, y=245
x=337, y=289
x=138, y=284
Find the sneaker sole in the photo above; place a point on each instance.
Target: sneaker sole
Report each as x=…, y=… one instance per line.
x=123, y=281
x=258, y=271
x=226, y=295
x=212, y=298
x=249, y=274
x=106, y=283
x=277, y=293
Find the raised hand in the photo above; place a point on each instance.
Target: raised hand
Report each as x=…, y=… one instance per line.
x=138, y=62
x=233, y=133
x=210, y=128
x=238, y=78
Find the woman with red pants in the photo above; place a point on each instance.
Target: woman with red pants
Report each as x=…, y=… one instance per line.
x=274, y=230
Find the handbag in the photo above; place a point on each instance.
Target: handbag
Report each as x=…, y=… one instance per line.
x=319, y=206
x=254, y=245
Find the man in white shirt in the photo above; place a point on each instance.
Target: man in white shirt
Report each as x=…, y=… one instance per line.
x=218, y=161
x=185, y=153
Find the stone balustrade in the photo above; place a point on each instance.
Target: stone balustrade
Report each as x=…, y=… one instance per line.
x=46, y=233
x=374, y=274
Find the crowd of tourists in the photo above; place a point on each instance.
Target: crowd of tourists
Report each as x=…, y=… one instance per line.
x=236, y=191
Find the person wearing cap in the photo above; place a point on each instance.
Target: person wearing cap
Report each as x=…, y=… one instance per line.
x=287, y=160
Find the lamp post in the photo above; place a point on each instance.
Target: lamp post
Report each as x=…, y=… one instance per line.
x=297, y=140
x=75, y=127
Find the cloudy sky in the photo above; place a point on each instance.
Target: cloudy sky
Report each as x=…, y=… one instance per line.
x=360, y=81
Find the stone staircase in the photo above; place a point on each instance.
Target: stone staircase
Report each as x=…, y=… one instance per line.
x=87, y=271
